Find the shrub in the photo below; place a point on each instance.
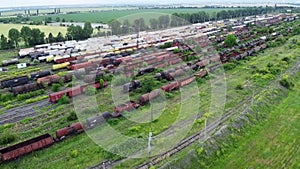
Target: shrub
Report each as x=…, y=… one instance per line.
x=239, y=87
x=286, y=59
x=229, y=66
x=72, y=116
x=177, y=50
x=74, y=153
x=55, y=87
x=64, y=100
x=101, y=83
x=90, y=91
x=285, y=83
x=7, y=137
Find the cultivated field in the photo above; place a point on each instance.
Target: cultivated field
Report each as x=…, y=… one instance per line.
x=4, y=28
x=106, y=16
x=77, y=9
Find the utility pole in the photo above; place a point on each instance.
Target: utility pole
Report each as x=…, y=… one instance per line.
x=252, y=99
x=205, y=129
x=149, y=143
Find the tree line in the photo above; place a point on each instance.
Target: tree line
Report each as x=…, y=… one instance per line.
x=35, y=36
x=181, y=19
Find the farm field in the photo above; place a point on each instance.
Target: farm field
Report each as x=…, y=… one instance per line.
x=77, y=9
x=272, y=144
x=106, y=16
x=4, y=28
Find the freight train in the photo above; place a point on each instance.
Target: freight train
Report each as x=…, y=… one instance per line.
x=74, y=91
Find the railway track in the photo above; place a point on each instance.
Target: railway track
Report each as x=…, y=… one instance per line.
x=19, y=113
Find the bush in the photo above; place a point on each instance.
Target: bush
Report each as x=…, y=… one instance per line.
x=285, y=83
x=72, y=116
x=90, y=91
x=64, y=100
x=177, y=50
x=239, y=87
x=74, y=153
x=7, y=137
x=101, y=83
x=55, y=87
x=286, y=59
x=229, y=66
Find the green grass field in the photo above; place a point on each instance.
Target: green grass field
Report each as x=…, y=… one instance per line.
x=77, y=9
x=4, y=28
x=274, y=143
x=106, y=16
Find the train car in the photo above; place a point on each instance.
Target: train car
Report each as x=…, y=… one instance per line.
x=93, y=77
x=145, y=98
x=128, y=87
x=26, y=147
x=39, y=74
x=49, y=79
x=201, y=74
x=50, y=58
x=173, y=75
x=56, y=58
x=25, y=88
x=2, y=69
x=60, y=66
x=126, y=107
x=174, y=61
x=44, y=58
x=63, y=60
x=99, y=86
x=170, y=87
x=98, y=119
x=15, y=82
x=10, y=62
x=69, y=130
x=25, y=52
x=148, y=69
x=74, y=91
x=187, y=81
x=81, y=65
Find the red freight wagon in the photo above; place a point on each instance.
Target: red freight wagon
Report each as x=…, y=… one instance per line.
x=25, y=147
x=161, y=65
x=170, y=87
x=81, y=65
x=98, y=85
x=175, y=61
x=144, y=99
x=177, y=73
x=54, y=97
x=126, y=107
x=66, y=131
x=48, y=79
x=63, y=60
x=187, y=81
x=74, y=91
x=201, y=74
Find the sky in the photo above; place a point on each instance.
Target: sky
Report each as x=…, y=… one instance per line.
x=18, y=3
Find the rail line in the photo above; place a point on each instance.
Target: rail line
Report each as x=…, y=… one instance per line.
x=17, y=114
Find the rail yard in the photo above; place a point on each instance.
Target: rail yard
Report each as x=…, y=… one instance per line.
x=169, y=60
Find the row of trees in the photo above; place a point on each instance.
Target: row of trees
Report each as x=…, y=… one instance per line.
x=79, y=33
x=180, y=19
x=35, y=36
